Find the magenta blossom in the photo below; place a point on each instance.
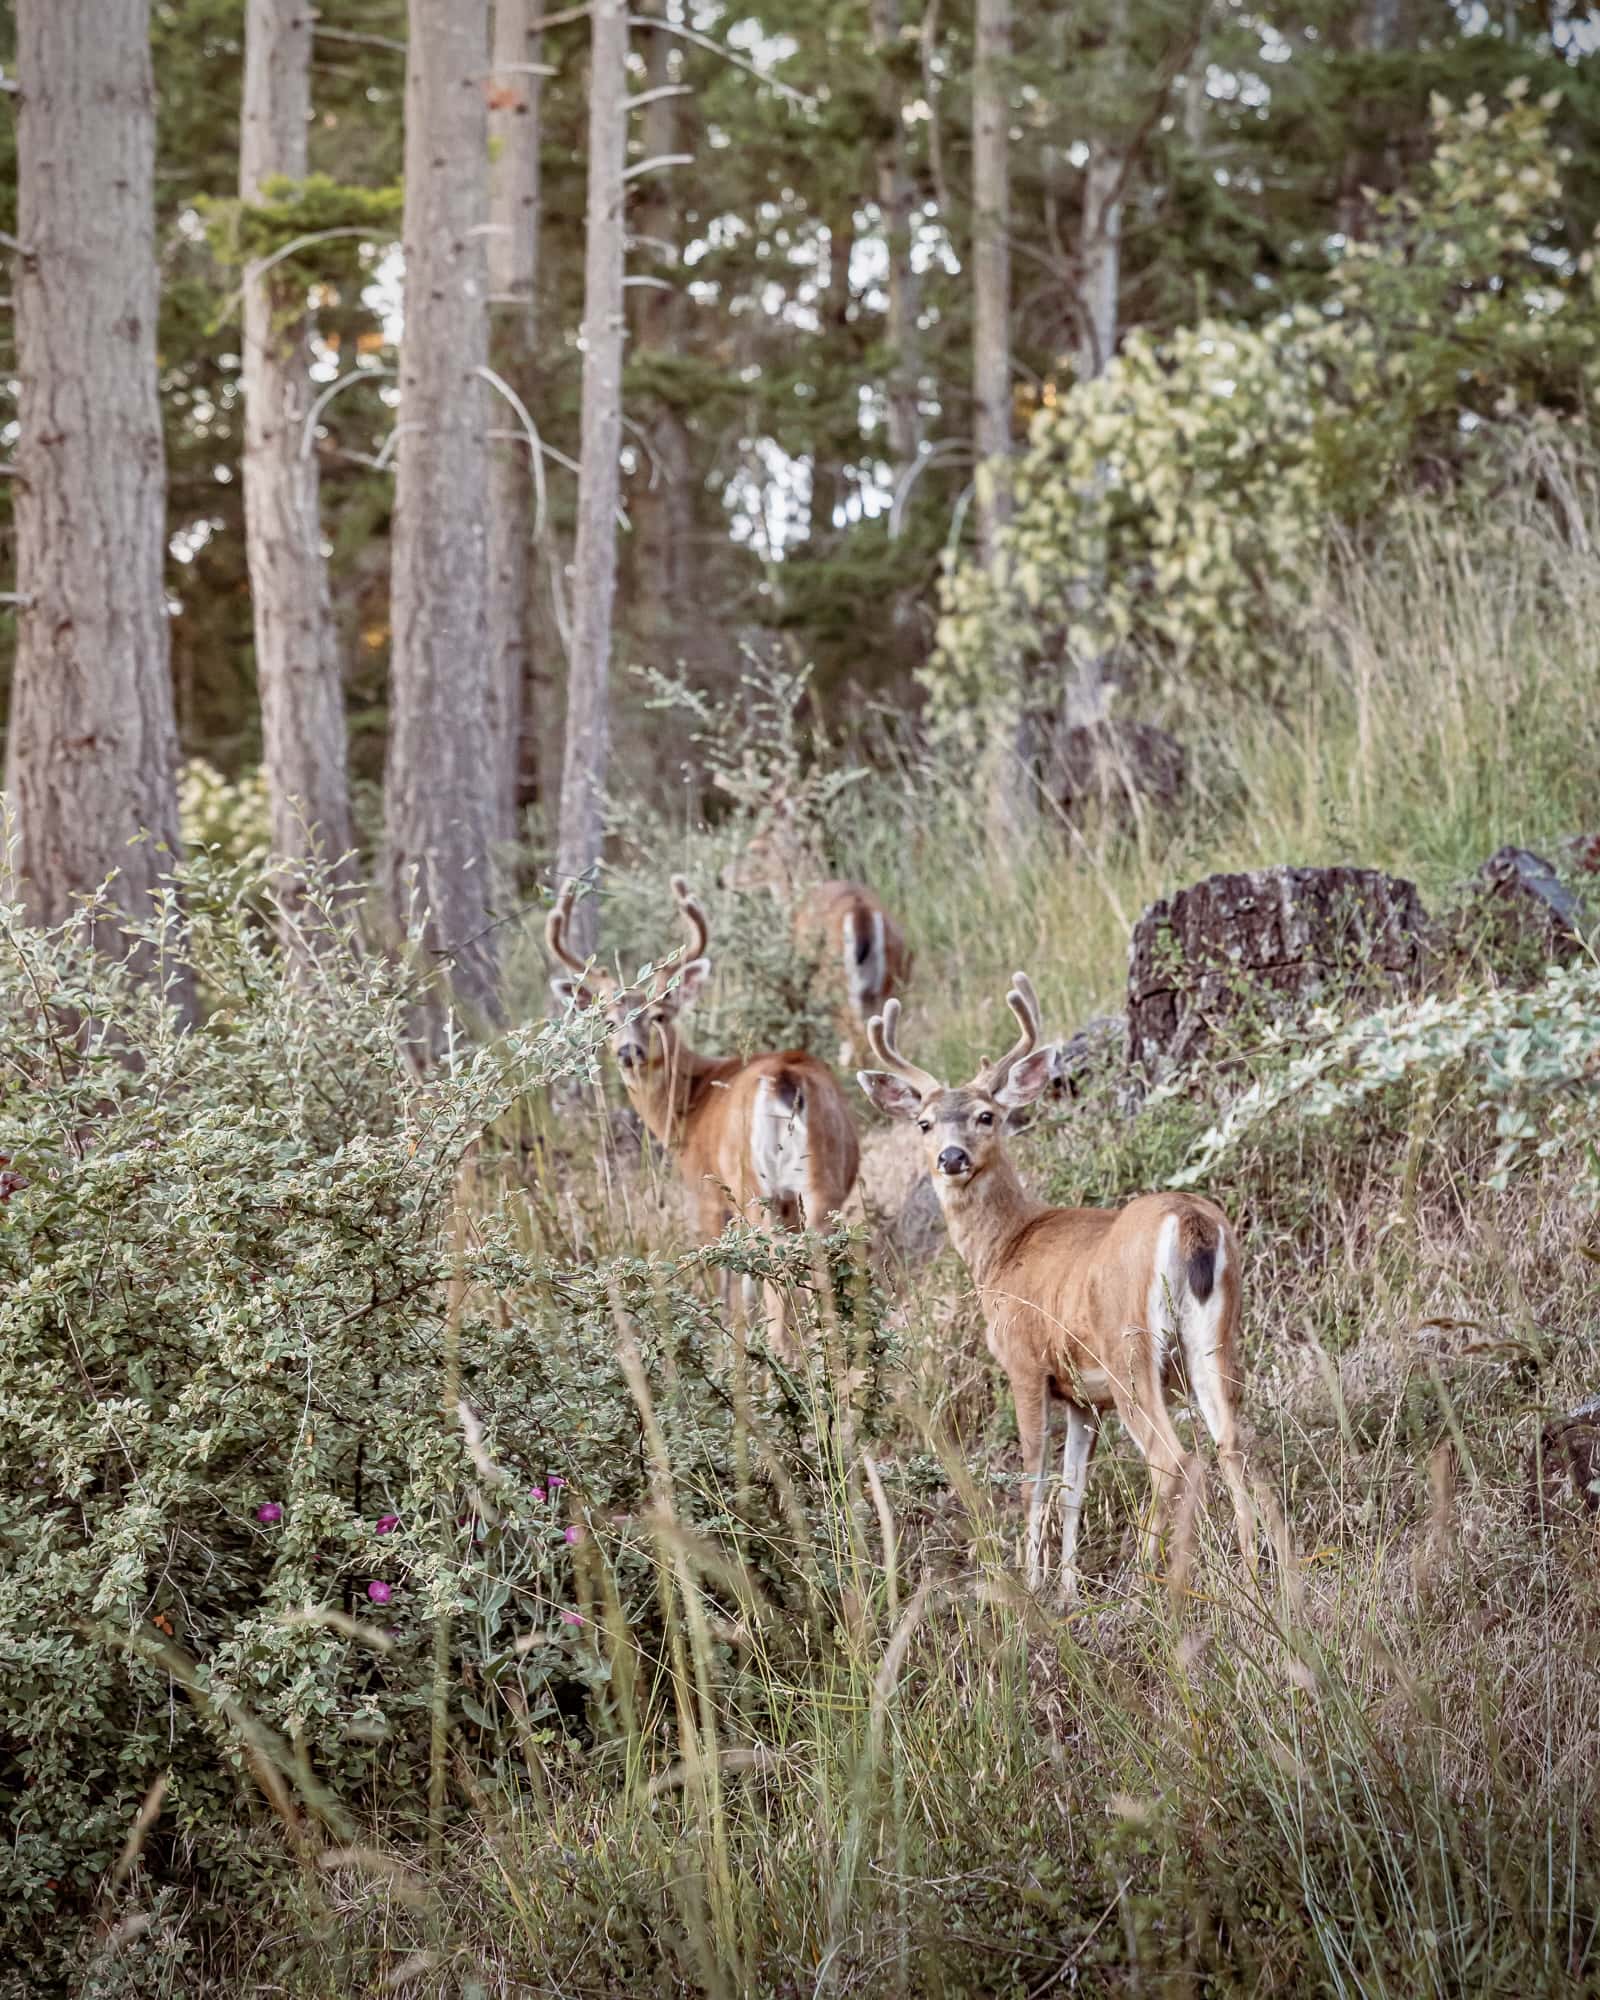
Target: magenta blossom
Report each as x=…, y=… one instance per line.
x=555, y=1482
x=379, y=1592
x=574, y=1536
x=387, y=1523
x=269, y=1512
x=535, y=1492
x=571, y=1618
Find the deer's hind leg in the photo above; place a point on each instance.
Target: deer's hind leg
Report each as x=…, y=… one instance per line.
x=1142, y=1406
x=1210, y=1353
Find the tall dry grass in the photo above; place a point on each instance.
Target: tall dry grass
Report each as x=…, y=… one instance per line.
x=886, y=1770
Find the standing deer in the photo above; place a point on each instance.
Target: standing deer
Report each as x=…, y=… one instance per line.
x=859, y=948
x=772, y=1133
x=1101, y=1308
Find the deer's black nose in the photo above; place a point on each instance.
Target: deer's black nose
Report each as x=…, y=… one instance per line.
x=629, y=1057
x=953, y=1160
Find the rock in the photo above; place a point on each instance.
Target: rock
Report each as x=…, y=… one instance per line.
x=917, y=1233
x=1085, y=1058
x=1564, y=1465
x=1268, y=944
x=1123, y=766
x=626, y=1136
x=1520, y=914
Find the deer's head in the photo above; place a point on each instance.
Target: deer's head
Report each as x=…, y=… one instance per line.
x=641, y=1020
x=780, y=855
x=963, y=1127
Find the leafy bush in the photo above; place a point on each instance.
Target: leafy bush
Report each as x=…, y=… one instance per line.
x=231, y=815
x=296, y=1430
x=1175, y=508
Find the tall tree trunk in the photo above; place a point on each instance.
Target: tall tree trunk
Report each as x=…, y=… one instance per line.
x=594, y=579
x=297, y=661
x=514, y=127
x=1101, y=258
x=91, y=760
x=437, y=801
x=896, y=198
x=991, y=268
x=836, y=433
x=1084, y=700
x=661, y=506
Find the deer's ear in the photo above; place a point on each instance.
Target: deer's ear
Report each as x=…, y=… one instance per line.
x=572, y=992
x=1027, y=1079
x=686, y=988
x=894, y=1097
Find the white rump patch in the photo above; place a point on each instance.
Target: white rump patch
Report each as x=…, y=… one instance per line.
x=778, y=1145
x=866, y=965
x=1164, y=1305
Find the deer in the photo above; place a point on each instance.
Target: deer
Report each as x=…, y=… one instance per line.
x=772, y=1133
x=860, y=948
x=1097, y=1308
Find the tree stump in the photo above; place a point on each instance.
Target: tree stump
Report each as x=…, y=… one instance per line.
x=1238, y=951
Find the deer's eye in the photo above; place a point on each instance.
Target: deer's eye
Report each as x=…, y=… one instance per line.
x=985, y=1117
x=924, y=1124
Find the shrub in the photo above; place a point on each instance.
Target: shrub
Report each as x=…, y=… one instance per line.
x=302, y=1453
x=231, y=815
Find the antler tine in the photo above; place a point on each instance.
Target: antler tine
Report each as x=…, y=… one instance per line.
x=1024, y=1004
x=555, y=930
x=881, y=1032
x=692, y=910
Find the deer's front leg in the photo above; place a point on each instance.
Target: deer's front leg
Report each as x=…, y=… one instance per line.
x=1083, y=1427
x=1030, y=1389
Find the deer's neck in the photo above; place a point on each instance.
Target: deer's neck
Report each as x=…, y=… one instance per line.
x=668, y=1097
x=986, y=1215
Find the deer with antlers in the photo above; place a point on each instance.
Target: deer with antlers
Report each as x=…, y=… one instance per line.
x=772, y=1134
x=859, y=949
x=1097, y=1308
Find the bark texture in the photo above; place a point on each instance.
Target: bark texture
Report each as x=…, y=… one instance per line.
x=991, y=267
x=588, y=739
x=439, y=779
x=896, y=204
x=514, y=196
x=1102, y=258
x=297, y=661
x=661, y=503
x=92, y=751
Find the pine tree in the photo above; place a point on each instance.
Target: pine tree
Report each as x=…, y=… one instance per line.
x=92, y=744
x=438, y=797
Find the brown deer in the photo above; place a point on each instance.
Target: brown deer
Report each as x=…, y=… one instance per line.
x=859, y=949
x=1098, y=1308
x=770, y=1134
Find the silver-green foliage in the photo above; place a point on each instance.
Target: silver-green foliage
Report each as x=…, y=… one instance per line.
x=1530, y=1061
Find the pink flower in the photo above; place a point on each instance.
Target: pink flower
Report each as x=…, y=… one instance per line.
x=379, y=1592
x=555, y=1482
x=571, y=1618
x=574, y=1536
x=535, y=1492
x=269, y=1512
x=387, y=1523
